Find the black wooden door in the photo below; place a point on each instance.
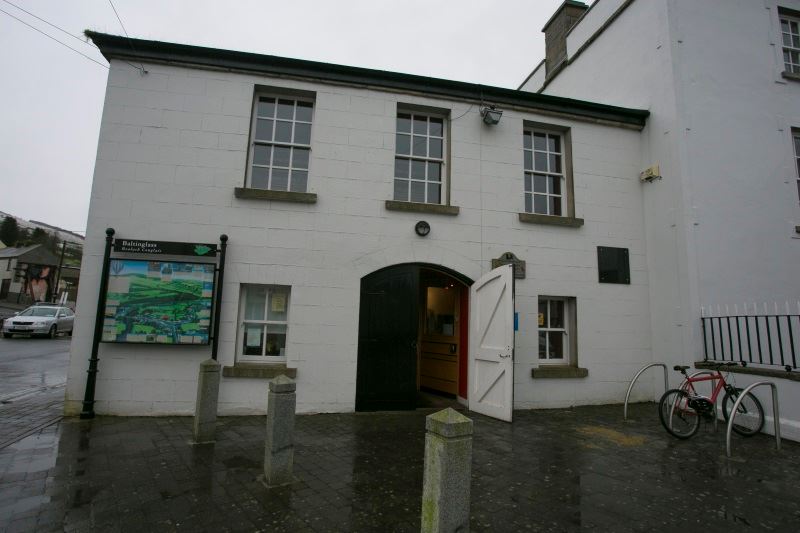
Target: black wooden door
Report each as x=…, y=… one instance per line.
x=387, y=340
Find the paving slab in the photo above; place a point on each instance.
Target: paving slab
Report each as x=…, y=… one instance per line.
x=581, y=469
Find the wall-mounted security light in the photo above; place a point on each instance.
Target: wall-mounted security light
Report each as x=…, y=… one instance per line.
x=491, y=115
x=422, y=228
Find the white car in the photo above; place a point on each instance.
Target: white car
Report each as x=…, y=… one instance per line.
x=44, y=320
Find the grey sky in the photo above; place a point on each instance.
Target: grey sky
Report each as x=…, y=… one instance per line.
x=53, y=98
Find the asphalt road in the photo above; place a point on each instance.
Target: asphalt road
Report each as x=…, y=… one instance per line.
x=32, y=377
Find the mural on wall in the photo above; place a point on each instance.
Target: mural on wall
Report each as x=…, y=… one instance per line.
x=158, y=302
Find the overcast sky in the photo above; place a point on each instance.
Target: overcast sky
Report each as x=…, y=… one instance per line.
x=52, y=98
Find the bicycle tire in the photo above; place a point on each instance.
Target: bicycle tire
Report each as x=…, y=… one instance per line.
x=680, y=420
x=750, y=418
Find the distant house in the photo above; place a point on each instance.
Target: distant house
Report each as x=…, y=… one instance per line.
x=27, y=274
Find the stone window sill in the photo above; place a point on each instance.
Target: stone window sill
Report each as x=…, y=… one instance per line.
x=791, y=76
x=532, y=218
x=766, y=372
x=415, y=207
x=558, y=372
x=247, y=193
x=258, y=370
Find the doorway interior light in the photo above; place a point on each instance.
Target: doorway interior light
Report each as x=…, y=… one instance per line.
x=422, y=228
x=491, y=115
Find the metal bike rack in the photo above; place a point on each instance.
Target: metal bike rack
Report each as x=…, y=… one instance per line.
x=775, y=414
x=639, y=373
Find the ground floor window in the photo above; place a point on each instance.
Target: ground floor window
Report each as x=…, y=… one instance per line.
x=264, y=312
x=555, y=325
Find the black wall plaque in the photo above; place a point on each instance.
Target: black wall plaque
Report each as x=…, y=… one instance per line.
x=510, y=259
x=131, y=246
x=613, y=265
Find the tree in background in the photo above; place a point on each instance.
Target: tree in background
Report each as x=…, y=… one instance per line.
x=9, y=231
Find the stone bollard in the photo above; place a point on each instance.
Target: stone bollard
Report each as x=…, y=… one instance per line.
x=279, y=453
x=448, y=467
x=205, y=408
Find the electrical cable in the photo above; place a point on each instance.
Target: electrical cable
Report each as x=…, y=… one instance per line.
x=126, y=35
x=87, y=43
x=53, y=38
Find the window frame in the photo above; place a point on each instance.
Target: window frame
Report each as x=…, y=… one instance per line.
x=242, y=323
x=796, y=158
x=444, y=174
x=566, y=175
x=277, y=95
x=789, y=67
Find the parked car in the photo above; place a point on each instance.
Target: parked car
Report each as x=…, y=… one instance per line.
x=40, y=320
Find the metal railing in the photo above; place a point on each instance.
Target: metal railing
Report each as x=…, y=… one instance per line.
x=639, y=373
x=775, y=414
x=759, y=337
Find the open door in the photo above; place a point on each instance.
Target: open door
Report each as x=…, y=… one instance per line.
x=491, y=349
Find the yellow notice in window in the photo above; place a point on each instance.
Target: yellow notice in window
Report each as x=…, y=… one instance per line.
x=541, y=319
x=278, y=303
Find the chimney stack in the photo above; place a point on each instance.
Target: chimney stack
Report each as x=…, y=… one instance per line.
x=555, y=33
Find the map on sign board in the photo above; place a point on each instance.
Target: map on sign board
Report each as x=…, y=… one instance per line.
x=158, y=302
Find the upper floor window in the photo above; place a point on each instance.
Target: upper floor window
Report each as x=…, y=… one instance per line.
x=281, y=144
x=419, y=158
x=545, y=184
x=790, y=32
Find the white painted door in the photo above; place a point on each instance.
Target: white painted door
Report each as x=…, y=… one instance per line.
x=491, y=344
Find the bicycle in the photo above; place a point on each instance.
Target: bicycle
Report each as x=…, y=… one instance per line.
x=680, y=409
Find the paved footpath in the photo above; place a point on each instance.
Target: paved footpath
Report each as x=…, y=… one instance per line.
x=581, y=469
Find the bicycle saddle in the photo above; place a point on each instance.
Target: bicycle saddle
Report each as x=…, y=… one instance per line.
x=680, y=368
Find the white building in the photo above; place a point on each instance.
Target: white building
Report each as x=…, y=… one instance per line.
x=722, y=83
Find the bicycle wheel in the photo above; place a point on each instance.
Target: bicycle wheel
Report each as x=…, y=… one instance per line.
x=750, y=417
x=676, y=416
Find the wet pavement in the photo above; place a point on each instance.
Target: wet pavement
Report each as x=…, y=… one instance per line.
x=554, y=470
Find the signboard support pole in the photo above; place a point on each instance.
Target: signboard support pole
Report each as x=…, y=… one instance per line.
x=88, y=397
x=218, y=302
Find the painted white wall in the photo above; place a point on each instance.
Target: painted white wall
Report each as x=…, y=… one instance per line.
x=720, y=224
x=173, y=145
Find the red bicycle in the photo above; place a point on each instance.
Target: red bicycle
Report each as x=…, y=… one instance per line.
x=680, y=409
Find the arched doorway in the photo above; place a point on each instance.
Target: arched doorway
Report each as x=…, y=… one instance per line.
x=412, y=336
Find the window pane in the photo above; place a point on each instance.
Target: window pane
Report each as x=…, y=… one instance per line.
x=436, y=127
x=434, y=171
x=421, y=125
x=785, y=25
x=542, y=314
x=556, y=314
x=555, y=206
x=401, y=167
x=266, y=107
x=418, y=169
x=255, y=301
x=417, y=191
x=420, y=146
x=434, y=190
x=542, y=345
x=253, y=339
x=539, y=183
x=797, y=145
x=280, y=156
x=796, y=41
x=299, y=180
x=540, y=161
x=556, y=345
x=403, y=123
x=286, y=109
x=540, y=204
x=403, y=144
x=276, y=339
x=527, y=140
x=528, y=160
x=259, y=179
x=555, y=163
x=554, y=143
x=264, y=130
x=787, y=39
x=261, y=154
x=283, y=131
x=304, y=111
x=300, y=157
x=539, y=141
x=528, y=182
x=302, y=133
x=528, y=203
x=278, y=304
x=555, y=184
x=280, y=179
x=435, y=148
x=401, y=190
